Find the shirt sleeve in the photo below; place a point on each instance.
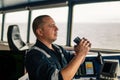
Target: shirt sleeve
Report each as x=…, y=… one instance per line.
x=40, y=68
x=67, y=54
x=57, y=74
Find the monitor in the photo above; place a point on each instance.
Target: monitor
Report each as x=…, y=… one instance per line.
x=109, y=69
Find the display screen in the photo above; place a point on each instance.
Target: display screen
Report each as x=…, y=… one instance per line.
x=89, y=68
x=107, y=67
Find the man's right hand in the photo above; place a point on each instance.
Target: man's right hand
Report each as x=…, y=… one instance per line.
x=83, y=47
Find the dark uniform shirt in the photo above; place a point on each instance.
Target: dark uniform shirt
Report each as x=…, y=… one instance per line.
x=43, y=63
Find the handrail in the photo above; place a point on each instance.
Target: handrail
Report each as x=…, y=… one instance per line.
x=107, y=51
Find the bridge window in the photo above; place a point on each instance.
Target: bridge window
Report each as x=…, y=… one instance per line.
x=21, y=19
x=0, y=24
x=99, y=22
x=60, y=17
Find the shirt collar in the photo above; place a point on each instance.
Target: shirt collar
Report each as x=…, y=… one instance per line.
x=43, y=46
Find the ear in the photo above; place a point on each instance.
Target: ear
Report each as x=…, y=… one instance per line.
x=39, y=32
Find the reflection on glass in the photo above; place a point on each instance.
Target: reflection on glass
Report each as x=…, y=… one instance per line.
x=99, y=22
x=60, y=17
x=19, y=18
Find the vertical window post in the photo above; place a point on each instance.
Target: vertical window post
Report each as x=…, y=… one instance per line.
x=2, y=30
x=29, y=21
x=69, y=25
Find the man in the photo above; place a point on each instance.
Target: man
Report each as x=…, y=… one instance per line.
x=46, y=61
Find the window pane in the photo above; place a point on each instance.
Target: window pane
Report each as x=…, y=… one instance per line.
x=21, y=19
x=99, y=22
x=60, y=17
x=0, y=25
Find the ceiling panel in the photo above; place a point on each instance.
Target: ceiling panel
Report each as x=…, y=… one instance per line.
x=6, y=5
x=12, y=4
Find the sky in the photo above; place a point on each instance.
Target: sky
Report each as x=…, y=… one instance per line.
x=98, y=12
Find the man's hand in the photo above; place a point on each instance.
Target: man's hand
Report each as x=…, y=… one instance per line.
x=83, y=47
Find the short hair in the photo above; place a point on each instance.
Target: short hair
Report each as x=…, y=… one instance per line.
x=38, y=21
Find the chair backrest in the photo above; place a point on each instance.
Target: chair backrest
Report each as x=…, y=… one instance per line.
x=14, y=39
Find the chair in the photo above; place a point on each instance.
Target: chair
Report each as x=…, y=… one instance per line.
x=24, y=77
x=14, y=39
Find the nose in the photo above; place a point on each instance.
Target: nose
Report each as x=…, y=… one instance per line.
x=56, y=27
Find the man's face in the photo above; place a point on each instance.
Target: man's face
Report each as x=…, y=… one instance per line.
x=49, y=29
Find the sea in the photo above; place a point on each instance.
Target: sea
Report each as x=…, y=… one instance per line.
x=101, y=35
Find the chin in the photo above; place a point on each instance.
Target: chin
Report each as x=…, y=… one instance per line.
x=54, y=39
